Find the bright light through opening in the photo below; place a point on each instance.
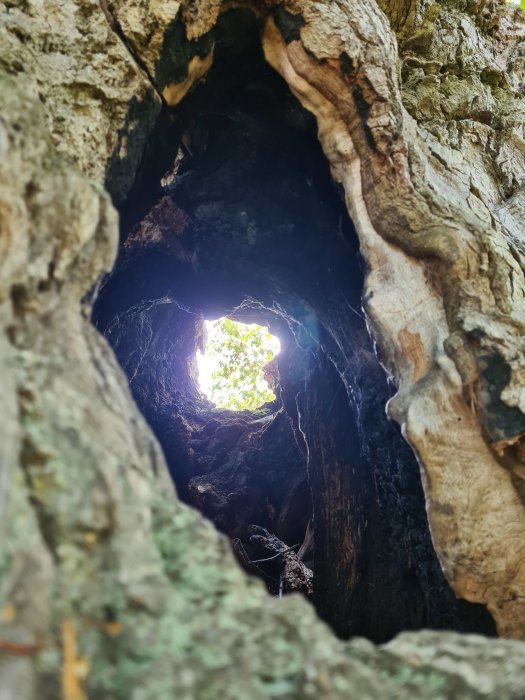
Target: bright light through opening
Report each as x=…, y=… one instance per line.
x=235, y=366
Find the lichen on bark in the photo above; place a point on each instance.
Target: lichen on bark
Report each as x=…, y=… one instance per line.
x=110, y=587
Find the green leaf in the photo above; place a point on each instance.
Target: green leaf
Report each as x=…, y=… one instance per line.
x=239, y=353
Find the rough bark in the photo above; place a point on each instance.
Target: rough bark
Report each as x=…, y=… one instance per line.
x=137, y=595
x=467, y=312
x=225, y=229
x=98, y=100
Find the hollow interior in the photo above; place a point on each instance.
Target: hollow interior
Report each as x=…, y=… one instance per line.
x=234, y=213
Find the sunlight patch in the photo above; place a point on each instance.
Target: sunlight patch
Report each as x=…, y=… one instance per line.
x=233, y=367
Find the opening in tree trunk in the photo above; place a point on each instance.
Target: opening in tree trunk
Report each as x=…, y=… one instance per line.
x=234, y=213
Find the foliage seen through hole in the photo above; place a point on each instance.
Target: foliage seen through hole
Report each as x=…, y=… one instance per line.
x=231, y=367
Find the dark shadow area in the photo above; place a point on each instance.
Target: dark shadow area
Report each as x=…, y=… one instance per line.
x=234, y=213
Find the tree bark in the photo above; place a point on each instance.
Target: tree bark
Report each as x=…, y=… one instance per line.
x=110, y=587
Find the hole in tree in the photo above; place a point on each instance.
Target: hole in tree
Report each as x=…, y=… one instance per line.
x=236, y=364
x=234, y=214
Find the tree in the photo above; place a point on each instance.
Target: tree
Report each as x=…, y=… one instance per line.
x=420, y=112
x=238, y=352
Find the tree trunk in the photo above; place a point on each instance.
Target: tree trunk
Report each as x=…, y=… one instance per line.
x=110, y=587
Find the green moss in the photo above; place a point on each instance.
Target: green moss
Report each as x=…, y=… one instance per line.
x=421, y=40
x=493, y=77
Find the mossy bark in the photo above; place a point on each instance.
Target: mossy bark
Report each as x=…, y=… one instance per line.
x=110, y=587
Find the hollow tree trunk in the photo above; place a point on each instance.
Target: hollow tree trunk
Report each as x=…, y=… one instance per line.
x=110, y=587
